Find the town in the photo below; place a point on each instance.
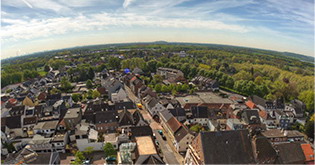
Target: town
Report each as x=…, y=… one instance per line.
x=118, y=117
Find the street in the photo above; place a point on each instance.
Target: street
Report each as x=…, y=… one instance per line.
x=168, y=154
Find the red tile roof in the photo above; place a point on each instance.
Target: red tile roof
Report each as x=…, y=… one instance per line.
x=12, y=101
x=263, y=114
x=308, y=152
x=250, y=104
x=174, y=124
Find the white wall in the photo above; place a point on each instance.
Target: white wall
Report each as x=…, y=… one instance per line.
x=82, y=144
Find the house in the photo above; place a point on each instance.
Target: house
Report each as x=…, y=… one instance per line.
x=182, y=139
x=217, y=125
x=137, y=70
x=283, y=136
x=17, y=110
x=264, y=151
x=308, y=153
x=125, y=119
x=29, y=156
x=119, y=96
x=125, y=104
x=222, y=147
x=268, y=105
x=234, y=124
x=289, y=153
x=199, y=115
x=12, y=126
x=111, y=84
x=144, y=91
x=154, y=107
x=178, y=113
x=59, y=142
x=205, y=84
x=126, y=153
x=208, y=99
x=135, y=84
x=284, y=119
x=179, y=134
x=146, y=152
x=138, y=119
x=72, y=117
x=250, y=117
x=299, y=108
x=140, y=131
x=106, y=121
x=171, y=75
x=40, y=143
x=252, y=120
x=86, y=137
x=68, y=100
x=46, y=128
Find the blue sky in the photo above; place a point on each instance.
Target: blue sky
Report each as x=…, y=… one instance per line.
x=36, y=25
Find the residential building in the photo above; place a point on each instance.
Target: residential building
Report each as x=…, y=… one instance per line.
x=146, y=152
x=222, y=147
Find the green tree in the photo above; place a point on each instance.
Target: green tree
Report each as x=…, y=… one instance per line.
x=88, y=151
x=96, y=94
x=91, y=73
x=197, y=128
x=164, y=88
x=54, y=91
x=79, y=158
x=309, y=127
x=46, y=68
x=109, y=150
x=308, y=98
x=65, y=84
x=76, y=97
x=114, y=63
x=89, y=84
x=158, y=88
x=243, y=75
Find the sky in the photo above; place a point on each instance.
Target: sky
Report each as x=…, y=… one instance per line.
x=29, y=26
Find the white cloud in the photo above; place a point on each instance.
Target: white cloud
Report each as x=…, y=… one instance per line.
x=20, y=29
x=127, y=3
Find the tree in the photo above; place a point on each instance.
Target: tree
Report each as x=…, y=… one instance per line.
x=96, y=94
x=54, y=91
x=89, y=84
x=88, y=151
x=164, y=88
x=259, y=80
x=65, y=84
x=308, y=98
x=76, y=97
x=114, y=63
x=91, y=73
x=197, y=128
x=79, y=158
x=109, y=150
x=46, y=68
x=242, y=75
x=309, y=127
x=158, y=88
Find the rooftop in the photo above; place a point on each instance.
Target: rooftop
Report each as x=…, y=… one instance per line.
x=145, y=145
x=72, y=113
x=203, y=97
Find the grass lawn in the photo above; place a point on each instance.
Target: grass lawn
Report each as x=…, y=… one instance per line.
x=42, y=73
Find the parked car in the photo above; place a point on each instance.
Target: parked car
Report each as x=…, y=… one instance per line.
x=157, y=143
x=160, y=132
x=163, y=137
